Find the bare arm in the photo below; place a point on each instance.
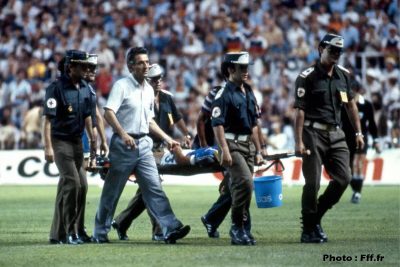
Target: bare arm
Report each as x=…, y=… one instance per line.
x=111, y=119
x=352, y=112
x=101, y=132
x=92, y=136
x=156, y=130
x=226, y=159
x=182, y=127
x=256, y=140
x=298, y=134
x=201, y=129
x=46, y=133
x=263, y=141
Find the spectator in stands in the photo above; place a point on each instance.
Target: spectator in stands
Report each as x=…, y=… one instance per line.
x=4, y=95
x=301, y=50
x=335, y=22
x=294, y=32
x=20, y=90
x=31, y=136
x=106, y=55
x=8, y=132
x=391, y=44
x=27, y=26
x=42, y=52
x=392, y=92
x=371, y=41
x=36, y=69
x=372, y=84
x=235, y=41
x=277, y=139
x=104, y=80
x=351, y=34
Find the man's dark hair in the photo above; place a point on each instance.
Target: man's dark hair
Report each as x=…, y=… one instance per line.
x=130, y=57
x=61, y=66
x=224, y=69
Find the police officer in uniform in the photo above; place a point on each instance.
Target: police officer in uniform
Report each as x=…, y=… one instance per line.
x=321, y=90
x=69, y=107
x=166, y=116
x=234, y=121
x=98, y=131
x=205, y=138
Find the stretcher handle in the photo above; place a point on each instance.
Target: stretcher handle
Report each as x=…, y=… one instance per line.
x=285, y=155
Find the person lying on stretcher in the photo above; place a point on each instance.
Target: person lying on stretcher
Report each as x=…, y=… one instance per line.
x=189, y=162
x=176, y=161
x=177, y=156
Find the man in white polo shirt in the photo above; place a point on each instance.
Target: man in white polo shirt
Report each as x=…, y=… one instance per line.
x=130, y=111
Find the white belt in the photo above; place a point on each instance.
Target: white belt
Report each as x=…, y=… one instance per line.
x=321, y=126
x=238, y=137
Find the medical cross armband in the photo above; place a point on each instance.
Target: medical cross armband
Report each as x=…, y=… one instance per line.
x=51, y=101
x=300, y=93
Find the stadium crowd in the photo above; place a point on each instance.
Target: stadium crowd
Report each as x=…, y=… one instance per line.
x=188, y=38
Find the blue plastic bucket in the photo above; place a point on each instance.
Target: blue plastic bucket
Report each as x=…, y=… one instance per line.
x=268, y=191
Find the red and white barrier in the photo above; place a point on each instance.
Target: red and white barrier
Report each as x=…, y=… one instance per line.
x=29, y=167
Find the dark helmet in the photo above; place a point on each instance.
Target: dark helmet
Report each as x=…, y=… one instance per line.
x=241, y=58
x=237, y=58
x=76, y=56
x=332, y=40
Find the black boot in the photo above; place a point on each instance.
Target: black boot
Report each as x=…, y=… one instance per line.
x=318, y=228
x=247, y=229
x=239, y=236
x=309, y=233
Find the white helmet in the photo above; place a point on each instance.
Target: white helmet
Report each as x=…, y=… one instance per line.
x=155, y=70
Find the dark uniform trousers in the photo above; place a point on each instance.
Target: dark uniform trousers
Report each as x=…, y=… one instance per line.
x=218, y=211
x=135, y=207
x=330, y=149
x=71, y=191
x=241, y=173
x=221, y=207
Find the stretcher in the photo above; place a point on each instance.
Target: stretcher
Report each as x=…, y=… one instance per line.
x=210, y=167
x=186, y=170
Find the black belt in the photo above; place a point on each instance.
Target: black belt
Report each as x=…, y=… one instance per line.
x=137, y=136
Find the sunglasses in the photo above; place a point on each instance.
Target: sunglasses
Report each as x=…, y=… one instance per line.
x=92, y=67
x=335, y=50
x=243, y=67
x=85, y=66
x=155, y=79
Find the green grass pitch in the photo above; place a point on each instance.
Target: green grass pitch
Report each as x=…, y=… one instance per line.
x=355, y=232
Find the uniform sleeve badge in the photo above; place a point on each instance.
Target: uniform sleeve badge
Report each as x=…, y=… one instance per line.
x=51, y=103
x=301, y=92
x=343, y=96
x=216, y=112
